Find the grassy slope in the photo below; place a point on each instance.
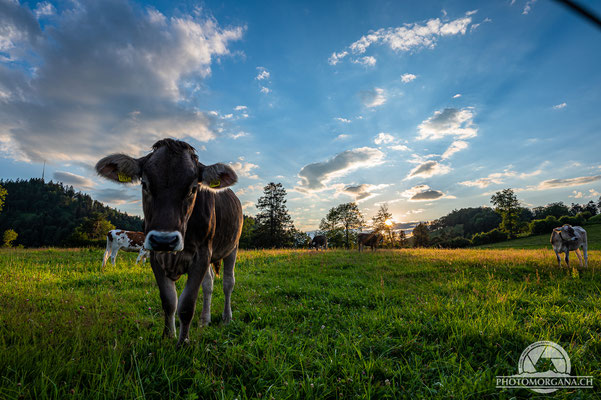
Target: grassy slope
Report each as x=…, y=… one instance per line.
x=396, y=324
x=543, y=241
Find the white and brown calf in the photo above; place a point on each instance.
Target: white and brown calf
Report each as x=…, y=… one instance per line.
x=124, y=240
x=568, y=238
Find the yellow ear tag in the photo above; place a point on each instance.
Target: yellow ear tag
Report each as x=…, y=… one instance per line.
x=215, y=183
x=124, y=178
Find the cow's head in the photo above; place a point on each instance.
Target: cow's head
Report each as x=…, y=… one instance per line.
x=565, y=233
x=170, y=176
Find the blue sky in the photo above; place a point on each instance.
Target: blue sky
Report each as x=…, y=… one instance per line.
x=426, y=107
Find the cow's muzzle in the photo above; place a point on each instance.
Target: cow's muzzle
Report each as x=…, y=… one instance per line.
x=164, y=241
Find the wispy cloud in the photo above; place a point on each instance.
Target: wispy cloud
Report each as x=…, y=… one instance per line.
x=343, y=120
x=342, y=136
x=69, y=178
x=406, y=78
x=405, y=38
x=384, y=138
x=265, y=90
x=458, y=95
x=428, y=169
x=240, y=108
x=373, y=98
x=118, y=196
x=498, y=178
x=399, y=147
x=363, y=192
x=449, y=122
x=314, y=176
x=528, y=7
x=561, y=183
x=560, y=106
x=455, y=147
x=262, y=74
x=44, y=9
x=367, y=60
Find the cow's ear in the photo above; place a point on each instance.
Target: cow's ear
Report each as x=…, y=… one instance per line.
x=120, y=168
x=217, y=176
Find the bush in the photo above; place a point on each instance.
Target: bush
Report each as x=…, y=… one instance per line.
x=493, y=236
x=574, y=221
x=456, y=243
x=542, y=226
x=595, y=220
x=585, y=215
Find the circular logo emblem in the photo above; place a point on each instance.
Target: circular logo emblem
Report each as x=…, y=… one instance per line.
x=544, y=360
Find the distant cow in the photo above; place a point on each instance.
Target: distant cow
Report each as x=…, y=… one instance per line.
x=372, y=239
x=568, y=238
x=319, y=241
x=124, y=240
x=189, y=224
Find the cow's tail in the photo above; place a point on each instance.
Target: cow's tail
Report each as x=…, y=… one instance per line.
x=216, y=266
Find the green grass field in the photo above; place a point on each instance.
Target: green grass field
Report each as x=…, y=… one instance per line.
x=307, y=325
x=593, y=232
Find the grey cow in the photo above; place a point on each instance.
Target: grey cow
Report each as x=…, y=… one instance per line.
x=319, y=241
x=188, y=223
x=568, y=238
x=372, y=239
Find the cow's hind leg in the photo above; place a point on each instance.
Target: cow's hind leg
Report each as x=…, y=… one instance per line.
x=229, y=281
x=168, y=298
x=568, y=259
x=558, y=260
x=114, y=256
x=207, y=293
x=107, y=254
x=585, y=251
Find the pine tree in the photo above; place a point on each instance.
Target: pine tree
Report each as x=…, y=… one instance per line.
x=2, y=197
x=273, y=223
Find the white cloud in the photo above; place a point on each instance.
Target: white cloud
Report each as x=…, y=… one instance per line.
x=373, y=98
x=367, y=60
x=265, y=90
x=249, y=189
x=406, y=78
x=424, y=193
x=528, y=7
x=263, y=74
x=239, y=135
x=363, y=192
x=344, y=120
x=561, y=183
x=44, y=9
x=399, y=147
x=240, y=108
x=428, y=169
x=458, y=95
x=69, y=178
x=342, y=136
x=245, y=169
x=314, y=176
x=455, y=147
x=576, y=195
x=498, y=178
x=101, y=86
x=408, y=37
x=248, y=205
x=449, y=122
x=560, y=106
x=384, y=138
x=336, y=57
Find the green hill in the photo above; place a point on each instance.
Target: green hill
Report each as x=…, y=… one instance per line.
x=47, y=213
x=543, y=241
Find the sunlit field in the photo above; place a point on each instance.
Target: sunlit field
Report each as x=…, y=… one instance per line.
x=307, y=325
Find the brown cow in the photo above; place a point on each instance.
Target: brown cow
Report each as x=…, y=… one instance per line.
x=188, y=223
x=371, y=239
x=319, y=241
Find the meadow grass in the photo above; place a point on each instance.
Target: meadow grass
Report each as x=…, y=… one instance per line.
x=412, y=323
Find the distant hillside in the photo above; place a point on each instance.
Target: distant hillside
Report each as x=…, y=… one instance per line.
x=543, y=241
x=47, y=213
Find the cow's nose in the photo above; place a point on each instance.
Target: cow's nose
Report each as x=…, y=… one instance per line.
x=164, y=241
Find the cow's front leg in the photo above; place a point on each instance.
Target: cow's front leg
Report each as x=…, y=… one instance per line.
x=568, y=258
x=558, y=259
x=207, y=294
x=585, y=251
x=579, y=257
x=168, y=297
x=187, y=300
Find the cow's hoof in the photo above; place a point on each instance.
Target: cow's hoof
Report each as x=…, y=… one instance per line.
x=181, y=344
x=204, y=322
x=226, y=318
x=168, y=334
